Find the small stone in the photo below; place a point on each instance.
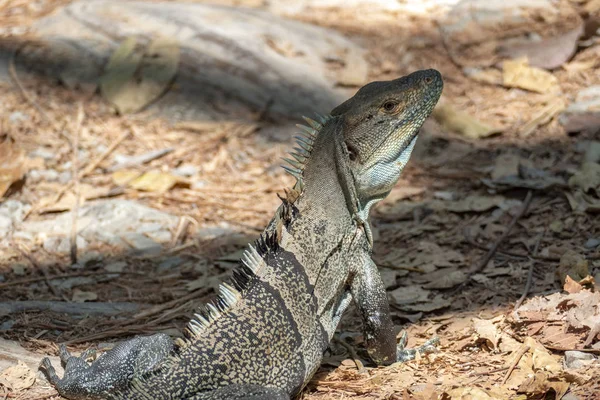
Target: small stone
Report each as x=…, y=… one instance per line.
x=19, y=269
x=556, y=226
x=90, y=256
x=51, y=244
x=198, y=185
x=186, y=170
x=592, y=243
x=143, y=244
x=36, y=175
x=117, y=266
x=64, y=177
x=7, y=325
x=584, y=113
x=578, y=359
x=42, y=153
x=17, y=116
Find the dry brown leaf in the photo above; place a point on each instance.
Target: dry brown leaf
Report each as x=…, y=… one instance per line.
x=580, y=202
x=487, y=330
x=462, y=123
x=17, y=377
x=517, y=73
x=12, y=163
x=475, y=203
x=572, y=286
x=475, y=393
x=445, y=279
x=540, y=384
x=506, y=164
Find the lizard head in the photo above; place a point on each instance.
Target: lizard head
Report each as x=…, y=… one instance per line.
x=380, y=124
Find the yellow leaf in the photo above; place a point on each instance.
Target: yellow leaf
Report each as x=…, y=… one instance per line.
x=154, y=181
x=517, y=73
x=462, y=123
x=125, y=176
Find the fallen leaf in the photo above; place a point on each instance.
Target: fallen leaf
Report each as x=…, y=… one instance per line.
x=17, y=377
x=574, y=265
x=487, y=330
x=155, y=181
x=518, y=74
x=542, y=117
x=486, y=75
x=445, y=279
x=151, y=181
x=505, y=164
x=12, y=163
x=475, y=203
x=462, y=123
x=135, y=77
x=475, y=393
x=572, y=286
x=79, y=296
x=581, y=202
x=587, y=178
x=540, y=384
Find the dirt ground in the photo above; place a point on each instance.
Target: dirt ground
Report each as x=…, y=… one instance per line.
x=432, y=234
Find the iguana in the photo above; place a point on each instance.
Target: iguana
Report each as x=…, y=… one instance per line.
x=264, y=335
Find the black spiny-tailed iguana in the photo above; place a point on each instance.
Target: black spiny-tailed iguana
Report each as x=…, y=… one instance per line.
x=263, y=337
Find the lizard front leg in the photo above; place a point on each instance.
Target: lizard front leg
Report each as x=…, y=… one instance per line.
x=369, y=294
x=370, y=297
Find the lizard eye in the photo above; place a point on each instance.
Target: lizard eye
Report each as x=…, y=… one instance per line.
x=390, y=106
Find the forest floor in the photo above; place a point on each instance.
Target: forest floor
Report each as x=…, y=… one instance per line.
x=455, y=201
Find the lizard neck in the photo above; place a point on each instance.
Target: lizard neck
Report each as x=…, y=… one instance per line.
x=322, y=221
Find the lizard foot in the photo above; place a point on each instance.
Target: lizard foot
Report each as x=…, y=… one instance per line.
x=403, y=354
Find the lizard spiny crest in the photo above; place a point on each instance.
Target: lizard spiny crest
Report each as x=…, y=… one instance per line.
x=305, y=142
x=252, y=266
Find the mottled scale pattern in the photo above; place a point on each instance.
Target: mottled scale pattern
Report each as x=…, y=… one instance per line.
x=259, y=329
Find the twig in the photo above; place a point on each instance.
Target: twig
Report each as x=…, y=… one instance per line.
x=13, y=74
x=485, y=260
x=17, y=282
x=529, y=279
x=129, y=326
x=400, y=267
x=182, y=227
x=518, y=356
x=75, y=162
x=26, y=253
x=142, y=159
x=359, y=365
x=94, y=164
x=63, y=307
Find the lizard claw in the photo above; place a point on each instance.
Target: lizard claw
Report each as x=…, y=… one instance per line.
x=403, y=354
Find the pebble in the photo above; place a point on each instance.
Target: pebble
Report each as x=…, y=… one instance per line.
x=42, y=153
x=186, y=170
x=584, y=112
x=592, y=243
x=578, y=359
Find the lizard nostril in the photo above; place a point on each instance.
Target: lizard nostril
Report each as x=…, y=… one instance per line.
x=428, y=79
